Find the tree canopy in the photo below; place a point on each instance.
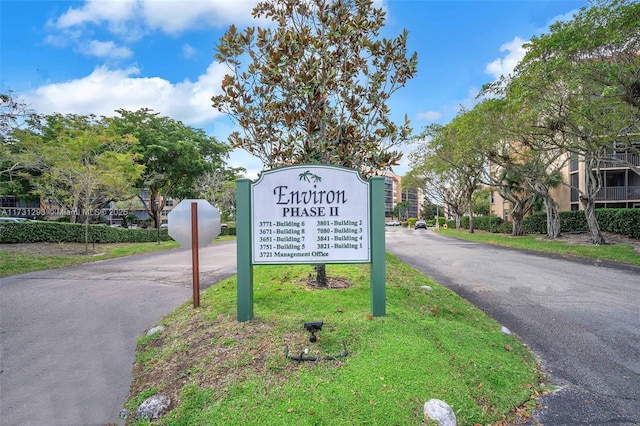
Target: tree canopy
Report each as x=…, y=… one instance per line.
x=575, y=95
x=316, y=85
x=174, y=155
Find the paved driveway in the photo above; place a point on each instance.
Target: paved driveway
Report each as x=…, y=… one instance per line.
x=581, y=318
x=68, y=336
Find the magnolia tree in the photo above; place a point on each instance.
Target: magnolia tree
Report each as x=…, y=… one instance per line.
x=313, y=86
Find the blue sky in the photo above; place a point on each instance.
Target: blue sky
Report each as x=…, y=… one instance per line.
x=97, y=56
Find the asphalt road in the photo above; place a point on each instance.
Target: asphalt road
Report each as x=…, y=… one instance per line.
x=582, y=319
x=68, y=336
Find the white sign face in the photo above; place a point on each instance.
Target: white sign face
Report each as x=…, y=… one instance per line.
x=179, y=221
x=310, y=214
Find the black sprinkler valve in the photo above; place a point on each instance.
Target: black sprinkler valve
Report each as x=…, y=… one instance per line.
x=313, y=328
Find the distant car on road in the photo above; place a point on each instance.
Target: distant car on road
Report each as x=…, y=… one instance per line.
x=421, y=224
x=14, y=219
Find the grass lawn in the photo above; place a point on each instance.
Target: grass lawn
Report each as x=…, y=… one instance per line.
x=18, y=259
x=624, y=253
x=431, y=344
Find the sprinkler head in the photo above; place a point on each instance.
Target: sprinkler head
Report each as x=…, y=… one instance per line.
x=313, y=327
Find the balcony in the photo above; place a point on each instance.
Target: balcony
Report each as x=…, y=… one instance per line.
x=621, y=160
x=619, y=193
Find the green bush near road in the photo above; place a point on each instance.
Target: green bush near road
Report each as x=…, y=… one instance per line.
x=57, y=232
x=619, y=221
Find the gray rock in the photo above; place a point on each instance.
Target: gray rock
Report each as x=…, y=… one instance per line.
x=440, y=411
x=156, y=329
x=426, y=288
x=153, y=408
x=505, y=330
x=124, y=413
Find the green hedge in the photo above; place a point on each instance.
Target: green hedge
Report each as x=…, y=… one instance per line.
x=619, y=221
x=485, y=223
x=55, y=232
x=231, y=230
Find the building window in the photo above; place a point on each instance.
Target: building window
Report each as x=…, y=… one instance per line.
x=169, y=203
x=573, y=164
x=574, y=188
x=8, y=201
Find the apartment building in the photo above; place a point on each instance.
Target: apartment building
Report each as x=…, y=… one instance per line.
x=394, y=194
x=620, y=185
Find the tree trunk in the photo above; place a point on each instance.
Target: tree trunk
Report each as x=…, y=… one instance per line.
x=86, y=233
x=517, y=230
x=470, y=206
x=592, y=187
x=520, y=208
x=86, y=223
x=553, y=218
x=590, y=214
x=321, y=275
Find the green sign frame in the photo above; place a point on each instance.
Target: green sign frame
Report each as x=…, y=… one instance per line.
x=245, y=228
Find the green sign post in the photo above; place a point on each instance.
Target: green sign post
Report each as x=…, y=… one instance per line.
x=310, y=214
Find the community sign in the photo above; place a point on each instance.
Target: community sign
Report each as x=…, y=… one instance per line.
x=310, y=214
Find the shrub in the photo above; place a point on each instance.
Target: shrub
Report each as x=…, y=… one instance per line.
x=535, y=224
x=573, y=221
x=618, y=221
x=624, y=221
x=485, y=223
x=54, y=232
x=505, y=228
x=229, y=230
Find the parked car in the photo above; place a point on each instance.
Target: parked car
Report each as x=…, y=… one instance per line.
x=421, y=224
x=14, y=219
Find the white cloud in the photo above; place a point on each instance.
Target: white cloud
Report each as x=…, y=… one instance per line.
x=241, y=158
x=430, y=115
x=106, y=49
x=188, y=51
x=178, y=15
x=169, y=16
x=96, y=11
x=105, y=90
x=504, y=66
x=450, y=110
x=564, y=18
